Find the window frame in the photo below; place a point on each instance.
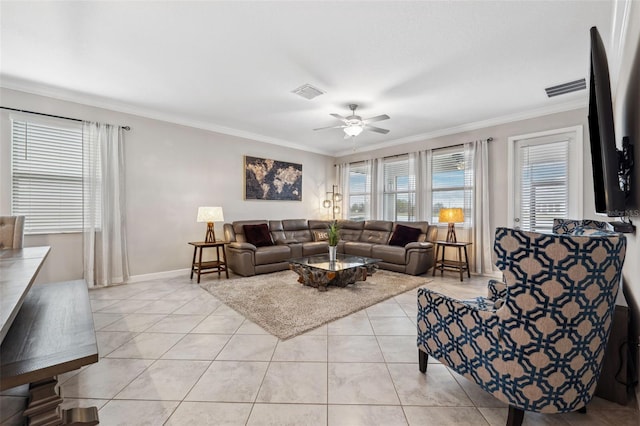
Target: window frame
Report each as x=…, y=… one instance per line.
x=366, y=194
x=466, y=186
x=410, y=192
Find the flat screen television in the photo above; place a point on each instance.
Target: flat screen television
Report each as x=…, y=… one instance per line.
x=610, y=198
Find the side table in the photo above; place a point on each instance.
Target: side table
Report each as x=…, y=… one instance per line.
x=455, y=265
x=211, y=266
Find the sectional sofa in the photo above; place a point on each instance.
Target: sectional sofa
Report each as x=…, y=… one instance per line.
x=292, y=238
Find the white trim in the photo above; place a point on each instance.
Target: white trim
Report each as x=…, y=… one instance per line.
x=505, y=119
x=159, y=275
x=576, y=167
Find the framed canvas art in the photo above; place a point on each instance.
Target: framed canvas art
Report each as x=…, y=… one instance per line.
x=266, y=179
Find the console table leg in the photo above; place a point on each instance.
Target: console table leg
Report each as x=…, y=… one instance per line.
x=80, y=416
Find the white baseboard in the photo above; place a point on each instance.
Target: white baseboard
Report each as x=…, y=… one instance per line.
x=159, y=275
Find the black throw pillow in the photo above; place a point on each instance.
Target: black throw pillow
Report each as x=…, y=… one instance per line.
x=404, y=235
x=258, y=235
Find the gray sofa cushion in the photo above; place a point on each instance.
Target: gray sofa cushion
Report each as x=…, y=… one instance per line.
x=376, y=232
x=350, y=230
x=357, y=248
x=272, y=254
x=391, y=254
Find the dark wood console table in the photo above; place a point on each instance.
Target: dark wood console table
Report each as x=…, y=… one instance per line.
x=51, y=333
x=460, y=265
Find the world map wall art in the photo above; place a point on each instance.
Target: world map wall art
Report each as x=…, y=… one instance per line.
x=272, y=180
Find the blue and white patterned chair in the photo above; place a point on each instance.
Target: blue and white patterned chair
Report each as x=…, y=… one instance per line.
x=541, y=350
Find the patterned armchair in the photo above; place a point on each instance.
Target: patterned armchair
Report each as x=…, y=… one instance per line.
x=541, y=349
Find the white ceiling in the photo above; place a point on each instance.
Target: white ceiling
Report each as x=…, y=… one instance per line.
x=231, y=66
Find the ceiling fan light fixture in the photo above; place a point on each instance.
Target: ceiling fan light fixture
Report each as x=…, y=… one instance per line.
x=353, y=130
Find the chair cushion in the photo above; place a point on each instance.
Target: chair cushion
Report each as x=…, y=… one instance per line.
x=320, y=235
x=258, y=235
x=404, y=235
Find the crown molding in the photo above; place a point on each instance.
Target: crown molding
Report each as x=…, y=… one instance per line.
x=99, y=102
x=505, y=119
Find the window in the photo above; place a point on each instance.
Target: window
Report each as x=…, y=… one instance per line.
x=46, y=175
x=359, y=191
x=451, y=185
x=399, y=189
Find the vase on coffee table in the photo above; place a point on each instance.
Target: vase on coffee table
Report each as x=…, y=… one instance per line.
x=333, y=252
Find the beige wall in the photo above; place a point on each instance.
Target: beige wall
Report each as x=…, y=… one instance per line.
x=498, y=159
x=170, y=171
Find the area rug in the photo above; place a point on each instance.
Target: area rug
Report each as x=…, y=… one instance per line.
x=286, y=308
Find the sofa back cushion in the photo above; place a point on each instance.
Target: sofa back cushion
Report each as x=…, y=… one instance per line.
x=236, y=233
x=427, y=233
x=258, y=235
x=350, y=230
x=403, y=235
x=290, y=229
x=376, y=231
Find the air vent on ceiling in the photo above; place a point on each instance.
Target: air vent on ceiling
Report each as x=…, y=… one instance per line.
x=307, y=91
x=561, y=89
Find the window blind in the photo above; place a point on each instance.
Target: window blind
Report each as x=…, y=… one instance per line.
x=451, y=182
x=399, y=189
x=544, y=185
x=47, y=176
x=359, y=191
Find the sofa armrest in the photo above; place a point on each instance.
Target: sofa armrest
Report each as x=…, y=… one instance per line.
x=242, y=246
x=419, y=245
x=496, y=290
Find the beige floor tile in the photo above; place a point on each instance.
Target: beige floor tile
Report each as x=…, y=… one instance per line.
x=249, y=327
x=139, y=413
x=621, y=417
x=199, y=306
x=356, y=324
x=124, y=307
x=480, y=397
x=104, y=379
x=198, y=346
x=393, y=326
x=295, y=382
x=218, y=324
x=108, y=341
x=147, y=346
x=302, y=348
x=498, y=417
x=133, y=322
x=100, y=321
x=161, y=307
x=187, y=293
x=386, y=309
x=168, y=380
x=176, y=324
x=288, y=415
x=399, y=348
x=210, y=413
x=82, y=403
x=444, y=416
x=153, y=294
x=436, y=388
x=229, y=381
x=318, y=331
x=115, y=292
x=354, y=349
x=97, y=304
x=366, y=415
x=249, y=348
x=355, y=383
x=227, y=311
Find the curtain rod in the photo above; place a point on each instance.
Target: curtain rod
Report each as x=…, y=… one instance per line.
x=127, y=128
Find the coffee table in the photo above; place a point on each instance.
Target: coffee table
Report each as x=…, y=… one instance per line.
x=317, y=271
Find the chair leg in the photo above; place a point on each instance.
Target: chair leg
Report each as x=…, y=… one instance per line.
x=583, y=410
x=515, y=416
x=423, y=359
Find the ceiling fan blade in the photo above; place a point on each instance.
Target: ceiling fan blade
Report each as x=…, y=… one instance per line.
x=376, y=129
x=376, y=118
x=342, y=126
x=339, y=117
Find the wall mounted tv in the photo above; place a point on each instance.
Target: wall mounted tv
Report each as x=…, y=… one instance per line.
x=609, y=183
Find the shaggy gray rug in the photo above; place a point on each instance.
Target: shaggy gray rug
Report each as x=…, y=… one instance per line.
x=286, y=308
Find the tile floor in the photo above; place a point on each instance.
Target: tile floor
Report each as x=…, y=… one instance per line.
x=172, y=354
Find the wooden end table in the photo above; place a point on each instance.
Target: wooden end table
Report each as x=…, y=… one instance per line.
x=211, y=266
x=455, y=265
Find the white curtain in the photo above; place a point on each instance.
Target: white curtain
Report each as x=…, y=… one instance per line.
x=477, y=168
x=342, y=180
x=105, y=246
x=422, y=164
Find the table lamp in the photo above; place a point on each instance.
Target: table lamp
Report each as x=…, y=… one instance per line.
x=210, y=215
x=451, y=216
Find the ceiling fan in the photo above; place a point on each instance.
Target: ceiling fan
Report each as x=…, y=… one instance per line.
x=353, y=125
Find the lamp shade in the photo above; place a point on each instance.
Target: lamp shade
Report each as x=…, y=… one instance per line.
x=452, y=215
x=210, y=214
x=353, y=130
